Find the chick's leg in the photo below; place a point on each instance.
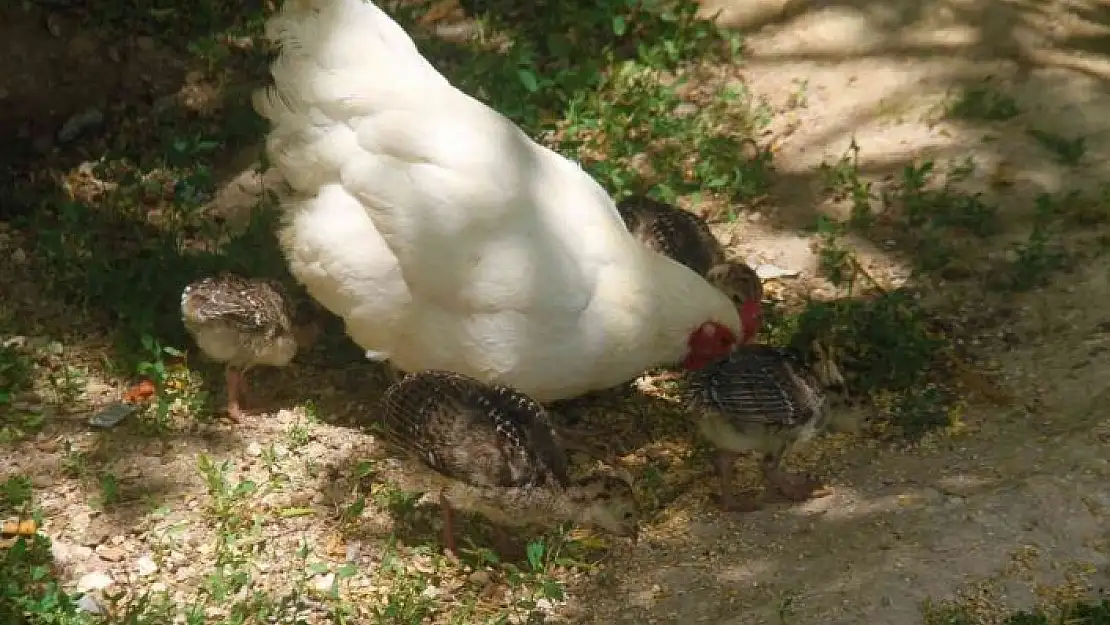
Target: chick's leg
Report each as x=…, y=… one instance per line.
x=235, y=388
x=725, y=464
x=793, y=487
x=448, y=528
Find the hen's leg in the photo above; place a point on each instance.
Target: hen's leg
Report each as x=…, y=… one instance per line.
x=448, y=528
x=235, y=387
x=793, y=487
x=725, y=463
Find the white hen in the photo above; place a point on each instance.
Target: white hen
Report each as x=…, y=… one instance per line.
x=446, y=238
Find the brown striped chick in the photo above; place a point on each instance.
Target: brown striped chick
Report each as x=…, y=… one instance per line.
x=686, y=238
x=760, y=399
x=678, y=234
x=492, y=450
x=242, y=322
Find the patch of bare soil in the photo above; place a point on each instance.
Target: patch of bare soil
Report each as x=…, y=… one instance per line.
x=60, y=79
x=1021, y=498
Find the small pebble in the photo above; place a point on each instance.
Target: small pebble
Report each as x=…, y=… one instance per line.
x=146, y=566
x=323, y=583
x=88, y=603
x=96, y=580
x=111, y=554
x=353, y=551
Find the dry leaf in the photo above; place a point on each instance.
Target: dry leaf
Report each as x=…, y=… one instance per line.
x=140, y=392
x=26, y=527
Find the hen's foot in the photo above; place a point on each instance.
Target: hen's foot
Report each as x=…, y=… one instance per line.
x=796, y=487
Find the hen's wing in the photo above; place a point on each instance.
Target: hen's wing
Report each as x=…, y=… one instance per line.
x=758, y=384
x=477, y=433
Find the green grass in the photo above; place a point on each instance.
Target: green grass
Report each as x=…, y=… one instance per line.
x=894, y=350
x=982, y=103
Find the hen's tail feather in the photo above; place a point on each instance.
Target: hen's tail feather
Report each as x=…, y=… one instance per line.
x=339, y=55
x=339, y=59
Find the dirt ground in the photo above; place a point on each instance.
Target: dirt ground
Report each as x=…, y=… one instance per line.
x=1024, y=487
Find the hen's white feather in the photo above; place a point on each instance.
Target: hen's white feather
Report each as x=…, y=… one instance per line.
x=445, y=237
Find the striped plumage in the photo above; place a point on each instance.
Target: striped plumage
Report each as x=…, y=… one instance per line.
x=673, y=232
x=687, y=239
x=761, y=399
x=241, y=322
x=492, y=450
x=482, y=435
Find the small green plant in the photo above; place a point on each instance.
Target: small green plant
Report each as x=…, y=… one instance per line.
x=923, y=211
x=405, y=602
x=225, y=497
x=1067, y=151
x=1074, y=613
x=400, y=503
x=982, y=103
x=1038, y=256
x=29, y=592
x=109, y=490
x=300, y=432
x=173, y=384
x=75, y=462
x=15, y=493
x=17, y=372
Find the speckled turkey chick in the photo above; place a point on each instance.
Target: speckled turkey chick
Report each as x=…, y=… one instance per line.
x=241, y=322
x=760, y=399
x=673, y=232
x=492, y=450
x=687, y=239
